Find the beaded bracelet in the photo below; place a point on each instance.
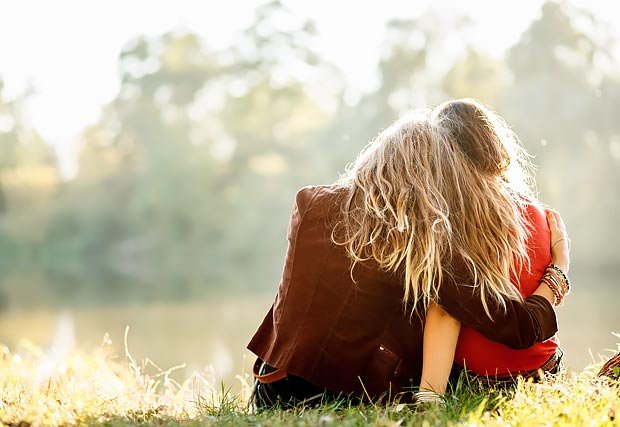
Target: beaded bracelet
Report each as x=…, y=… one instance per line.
x=550, y=274
x=559, y=299
x=561, y=283
x=559, y=270
x=559, y=279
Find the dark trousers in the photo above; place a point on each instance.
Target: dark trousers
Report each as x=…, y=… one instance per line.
x=288, y=392
x=293, y=391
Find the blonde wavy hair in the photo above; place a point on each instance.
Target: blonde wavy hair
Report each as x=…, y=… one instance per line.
x=438, y=183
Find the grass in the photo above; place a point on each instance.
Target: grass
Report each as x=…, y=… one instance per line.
x=39, y=388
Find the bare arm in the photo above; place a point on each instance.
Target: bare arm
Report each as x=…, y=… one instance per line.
x=441, y=332
x=559, y=251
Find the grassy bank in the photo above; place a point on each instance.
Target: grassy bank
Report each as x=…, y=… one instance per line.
x=98, y=387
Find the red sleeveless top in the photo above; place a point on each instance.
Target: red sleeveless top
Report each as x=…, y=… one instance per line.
x=485, y=357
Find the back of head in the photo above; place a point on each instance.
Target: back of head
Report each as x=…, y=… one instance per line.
x=490, y=145
x=440, y=183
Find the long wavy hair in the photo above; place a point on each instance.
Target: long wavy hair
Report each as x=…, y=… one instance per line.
x=438, y=183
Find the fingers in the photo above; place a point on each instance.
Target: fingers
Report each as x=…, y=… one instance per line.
x=559, y=221
x=560, y=243
x=556, y=224
x=551, y=218
x=553, y=225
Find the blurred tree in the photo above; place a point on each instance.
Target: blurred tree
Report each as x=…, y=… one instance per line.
x=483, y=76
x=143, y=155
x=198, y=146
x=279, y=97
x=557, y=105
x=8, y=141
x=410, y=76
x=28, y=176
x=402, y=73
x=189, y=174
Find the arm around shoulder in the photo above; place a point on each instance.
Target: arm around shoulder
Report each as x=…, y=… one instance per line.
x=519, y=324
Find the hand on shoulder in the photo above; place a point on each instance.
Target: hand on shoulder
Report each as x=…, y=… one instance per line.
x=560, y=243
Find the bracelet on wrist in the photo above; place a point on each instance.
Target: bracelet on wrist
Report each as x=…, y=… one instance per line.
x=558, y=282
x=560, y=278
x=557, y=295
x=559, y=270
x=428, y=396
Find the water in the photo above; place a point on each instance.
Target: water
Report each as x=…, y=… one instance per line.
x=210, y=331
x=207, y=335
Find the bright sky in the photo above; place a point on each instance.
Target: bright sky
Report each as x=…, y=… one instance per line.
x=67, y=50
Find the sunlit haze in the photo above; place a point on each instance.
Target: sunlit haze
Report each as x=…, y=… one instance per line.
x=66, y=51
x=172, y=190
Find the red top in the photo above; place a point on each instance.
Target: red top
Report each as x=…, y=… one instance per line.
x=485, y=357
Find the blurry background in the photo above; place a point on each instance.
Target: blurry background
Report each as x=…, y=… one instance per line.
x=149, y=153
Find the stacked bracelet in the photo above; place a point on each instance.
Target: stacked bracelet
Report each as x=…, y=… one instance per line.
x=558, y=282
x=558, y=300
x=561, y=273
x=429, y=396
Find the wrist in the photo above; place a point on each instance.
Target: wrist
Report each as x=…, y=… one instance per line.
x=545, y=291
x=561, y=262
x=555, y=278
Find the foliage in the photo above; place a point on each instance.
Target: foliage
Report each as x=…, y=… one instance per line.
x=191, y=170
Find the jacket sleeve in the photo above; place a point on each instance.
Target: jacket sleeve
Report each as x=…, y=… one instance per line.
x=519, y=325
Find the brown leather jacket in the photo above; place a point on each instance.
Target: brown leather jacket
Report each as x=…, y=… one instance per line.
x=356, y=336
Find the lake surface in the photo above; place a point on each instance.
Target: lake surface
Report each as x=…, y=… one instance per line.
x=211, y=331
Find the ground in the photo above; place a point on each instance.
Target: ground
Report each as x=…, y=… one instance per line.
x=98, y=387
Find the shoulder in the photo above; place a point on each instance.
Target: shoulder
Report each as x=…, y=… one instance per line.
x=314, y=196
x=534, y=211
x=536, y=214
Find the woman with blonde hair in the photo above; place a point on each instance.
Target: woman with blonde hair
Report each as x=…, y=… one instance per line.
x=514, y=250
x=423, y=218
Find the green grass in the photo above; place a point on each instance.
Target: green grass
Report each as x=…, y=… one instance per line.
x=38, y=388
